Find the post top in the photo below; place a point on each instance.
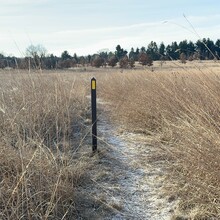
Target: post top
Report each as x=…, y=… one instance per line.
x=93, y=83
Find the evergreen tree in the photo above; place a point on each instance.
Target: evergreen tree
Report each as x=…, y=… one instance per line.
x=153, y=51
x=201, y=49
x=183, y=46
x=191, y=49
x=89, y=57
x=172, y=51
x=217, y=49
x=143, y=49
x=162, y=49
x=120, y=53
x=206, y=48
x=210, y=49
x=76, y=58
x=132, y=53
x=65, y=55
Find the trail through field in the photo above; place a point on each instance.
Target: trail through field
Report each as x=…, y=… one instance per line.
x=125, y=184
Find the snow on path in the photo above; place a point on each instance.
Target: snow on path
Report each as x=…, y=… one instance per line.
x=138, y=186
x=125, y=184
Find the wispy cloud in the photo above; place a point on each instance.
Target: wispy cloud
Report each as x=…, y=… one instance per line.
x=85, y=26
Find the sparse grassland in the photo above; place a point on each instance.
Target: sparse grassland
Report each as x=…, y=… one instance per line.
x=178, y=107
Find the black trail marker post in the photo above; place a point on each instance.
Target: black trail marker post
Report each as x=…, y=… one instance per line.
x=94, y=115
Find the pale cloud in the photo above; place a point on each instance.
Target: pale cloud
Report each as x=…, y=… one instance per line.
x=25, y=22
x=87, y=41
x=91, y=40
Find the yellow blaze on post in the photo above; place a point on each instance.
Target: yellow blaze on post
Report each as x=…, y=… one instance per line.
x=93, y=84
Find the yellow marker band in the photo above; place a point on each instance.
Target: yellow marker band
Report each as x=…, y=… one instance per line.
x=93, y=84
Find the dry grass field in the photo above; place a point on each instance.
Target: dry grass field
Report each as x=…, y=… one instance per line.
x=41, y=126
x=43, y=122
x=177, y=106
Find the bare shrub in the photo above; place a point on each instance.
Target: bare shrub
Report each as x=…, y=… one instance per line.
x=68, y=63
x=124, y=62
x=98, y=62
x=112, y=61
x=144, y=59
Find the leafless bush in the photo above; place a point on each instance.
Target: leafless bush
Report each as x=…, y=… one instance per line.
x=144, y=59
x=124, y=62
x=112, y=61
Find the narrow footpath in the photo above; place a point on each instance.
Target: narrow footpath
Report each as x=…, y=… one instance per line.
x=124, y=184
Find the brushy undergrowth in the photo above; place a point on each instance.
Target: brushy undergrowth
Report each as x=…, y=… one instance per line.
x=181, y=111
x=41, y=119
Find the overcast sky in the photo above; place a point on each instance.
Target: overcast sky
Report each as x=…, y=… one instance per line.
x=87, y=26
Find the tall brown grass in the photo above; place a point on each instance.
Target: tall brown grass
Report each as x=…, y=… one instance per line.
x=41, y=125
x=181, y=112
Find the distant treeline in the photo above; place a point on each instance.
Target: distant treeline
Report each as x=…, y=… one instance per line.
x=37, y=58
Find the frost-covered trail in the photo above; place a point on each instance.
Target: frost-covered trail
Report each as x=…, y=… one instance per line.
x=124, y=184
x=137, y=183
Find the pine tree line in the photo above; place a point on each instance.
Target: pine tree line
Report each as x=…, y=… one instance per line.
x=37, y=58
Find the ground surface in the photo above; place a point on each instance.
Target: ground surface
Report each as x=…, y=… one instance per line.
x=123, y=185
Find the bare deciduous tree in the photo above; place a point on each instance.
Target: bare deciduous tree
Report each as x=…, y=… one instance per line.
x=37, y=53
x=145, y=59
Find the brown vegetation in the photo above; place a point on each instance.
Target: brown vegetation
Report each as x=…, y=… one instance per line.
x=145, y=59
x=40, y=117
x=180, y=113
